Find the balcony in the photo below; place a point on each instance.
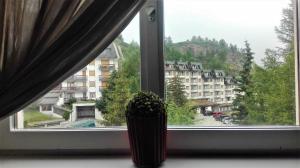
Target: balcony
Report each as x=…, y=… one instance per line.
x=80, y=77
x=104, y=78
x=107, y=67
x=66, y=99
x=64, y=89
x=81, y=88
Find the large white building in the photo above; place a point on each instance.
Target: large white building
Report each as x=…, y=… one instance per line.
x=87, y=83
x=92, y=79
x=211, y=85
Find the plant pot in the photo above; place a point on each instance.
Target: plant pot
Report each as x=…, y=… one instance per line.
x=147, y=137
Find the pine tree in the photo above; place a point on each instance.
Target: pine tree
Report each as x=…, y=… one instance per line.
x=175, y=91
x=179, y=109
x=101, y=104
x=118, y=98
x=243, y=83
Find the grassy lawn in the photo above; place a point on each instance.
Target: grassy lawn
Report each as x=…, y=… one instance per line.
x=31, y=115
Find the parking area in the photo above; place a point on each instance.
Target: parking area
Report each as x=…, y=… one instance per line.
x=202, y=120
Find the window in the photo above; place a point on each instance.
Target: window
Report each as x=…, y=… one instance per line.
x=92, y=95
x=92, y=73
x=208, y=32
x=227, y=25
x=46, y=107
x=92, y=84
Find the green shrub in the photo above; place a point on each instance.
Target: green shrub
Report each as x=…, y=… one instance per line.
x=66, y=115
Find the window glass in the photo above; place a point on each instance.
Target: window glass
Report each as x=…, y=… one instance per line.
x=92, y=72
x=92, y=83
x=241, y=55
x=96, y=95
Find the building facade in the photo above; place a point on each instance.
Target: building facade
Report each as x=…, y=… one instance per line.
x=86, y=84
x=89, y=82
x=211, y=85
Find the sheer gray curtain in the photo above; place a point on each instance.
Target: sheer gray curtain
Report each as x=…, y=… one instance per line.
x=42, y=42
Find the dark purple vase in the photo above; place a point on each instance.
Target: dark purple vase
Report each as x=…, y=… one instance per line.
x=147, y=137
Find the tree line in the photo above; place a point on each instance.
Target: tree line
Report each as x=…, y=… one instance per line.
x=266, y=93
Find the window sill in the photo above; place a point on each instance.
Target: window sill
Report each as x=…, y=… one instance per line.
x=174, y=162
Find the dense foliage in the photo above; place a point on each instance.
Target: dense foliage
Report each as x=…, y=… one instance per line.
x=180, y=111
x=122, y=84
x=272, y=98
x=175, y=91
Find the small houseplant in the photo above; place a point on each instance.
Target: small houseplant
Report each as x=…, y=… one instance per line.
x=147, y=129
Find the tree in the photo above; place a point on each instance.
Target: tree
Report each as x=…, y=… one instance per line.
x=118, y=98
x=130, y=65
x=243, y=83
x=101, y=104
x=272, y=59
x=285, y=31
x=175, y=91
x=272, y=100
x=180, y=111
x=273, y=95
x=180, y=115
x=122, y=84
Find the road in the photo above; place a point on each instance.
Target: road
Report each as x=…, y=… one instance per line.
x=202, y=120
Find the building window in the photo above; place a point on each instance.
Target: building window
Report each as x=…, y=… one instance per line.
x=84, y=73
x=92, y=95
x=92, y=73
x=92, y=83
x=46, y=107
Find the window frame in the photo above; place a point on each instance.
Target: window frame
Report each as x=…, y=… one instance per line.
x=247, y=140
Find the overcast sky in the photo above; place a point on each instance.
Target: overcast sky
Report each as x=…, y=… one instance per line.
x=232, y=20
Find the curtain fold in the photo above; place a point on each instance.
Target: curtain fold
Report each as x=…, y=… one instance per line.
x=42, y=42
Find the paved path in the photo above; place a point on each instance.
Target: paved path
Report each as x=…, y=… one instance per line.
x=202, y=120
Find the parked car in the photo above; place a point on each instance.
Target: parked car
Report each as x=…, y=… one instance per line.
x=227, y=120
x=217, y=114
x=221, y=117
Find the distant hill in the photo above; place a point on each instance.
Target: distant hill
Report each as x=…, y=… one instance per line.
x=212, y=54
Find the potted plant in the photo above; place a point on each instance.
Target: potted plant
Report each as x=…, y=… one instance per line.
x=147, y=128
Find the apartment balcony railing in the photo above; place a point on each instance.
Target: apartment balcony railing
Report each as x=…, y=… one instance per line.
x=66, y=99
x=80, y=77
x=65, y=89
x=103, y=78
x=71, y=89
x=107, y=67
x=81, y=88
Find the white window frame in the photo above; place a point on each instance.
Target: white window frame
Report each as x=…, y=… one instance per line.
x=282, y=140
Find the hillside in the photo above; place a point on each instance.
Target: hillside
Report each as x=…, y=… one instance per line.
x=212, y=54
